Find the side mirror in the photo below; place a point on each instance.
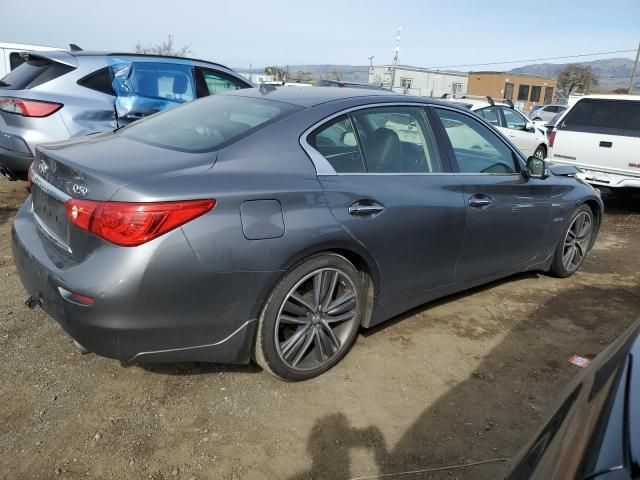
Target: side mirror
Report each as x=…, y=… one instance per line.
x=537, y=168
x=529, y=126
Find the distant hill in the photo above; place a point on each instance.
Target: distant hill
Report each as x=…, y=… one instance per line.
x=612, y=72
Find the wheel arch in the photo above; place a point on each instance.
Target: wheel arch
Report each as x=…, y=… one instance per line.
x=596, y=208
x=361, y=259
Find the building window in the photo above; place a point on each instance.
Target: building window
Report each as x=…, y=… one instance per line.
x=535, y=94
x=405, y=82
x=457, y=88
x=523, y=92
x=508, y=91
x=548, y=94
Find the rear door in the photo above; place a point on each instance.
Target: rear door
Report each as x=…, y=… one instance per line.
x=601, y=136
x=506, y=214
x=394, y=193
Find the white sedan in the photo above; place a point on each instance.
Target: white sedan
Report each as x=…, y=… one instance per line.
x=529, y=138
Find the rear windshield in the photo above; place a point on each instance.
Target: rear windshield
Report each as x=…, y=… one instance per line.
x=207, y=124
x=35, y=71
x=614, y=117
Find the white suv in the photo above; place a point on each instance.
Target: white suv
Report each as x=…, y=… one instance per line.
x=529, y=138
x=600, y=135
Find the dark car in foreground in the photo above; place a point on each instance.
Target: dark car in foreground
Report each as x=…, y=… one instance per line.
x=594, y=431
x=56, y=95
x=275, y=223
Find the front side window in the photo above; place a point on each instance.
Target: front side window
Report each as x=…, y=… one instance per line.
x=337, y=143
x=513, y=119
x=491, y=115
x=207, y=124
x=397, y=140
x=476, y=148
x=219, y=83
x=523, y=92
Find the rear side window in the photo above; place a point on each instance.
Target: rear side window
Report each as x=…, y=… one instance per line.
x=208, y=124
x=15, y=60
x=33, y=72
x=99, y=81
x=490, y=114
x=216, y=82
x=613, y=117
x=164, y=81
x=337, y=143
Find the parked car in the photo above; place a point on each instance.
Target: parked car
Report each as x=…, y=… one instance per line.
x=344, y=84
x=274, y=223
x=11, y=55
x=529, y=138
x=594, y=430
x=545, y=112
x=600, y=134
x=61, y=94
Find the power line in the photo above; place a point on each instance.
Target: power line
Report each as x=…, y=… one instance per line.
x=535, y=59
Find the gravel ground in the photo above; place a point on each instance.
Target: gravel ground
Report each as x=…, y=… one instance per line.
x=466, y=379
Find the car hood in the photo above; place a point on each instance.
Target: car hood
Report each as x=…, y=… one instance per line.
x=594, y=432
x=105, y=162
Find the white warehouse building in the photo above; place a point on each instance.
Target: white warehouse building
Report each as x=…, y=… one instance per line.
x=418, y=81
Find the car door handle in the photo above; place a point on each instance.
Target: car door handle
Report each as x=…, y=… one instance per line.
x=363, y=208
x=480, y=201
x=606, y=144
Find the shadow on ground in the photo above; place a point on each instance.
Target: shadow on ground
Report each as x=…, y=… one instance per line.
x=471, y=415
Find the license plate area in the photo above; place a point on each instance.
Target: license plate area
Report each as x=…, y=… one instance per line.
x=51, y=216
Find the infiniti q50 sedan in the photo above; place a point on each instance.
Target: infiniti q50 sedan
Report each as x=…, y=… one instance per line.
x=274, y=223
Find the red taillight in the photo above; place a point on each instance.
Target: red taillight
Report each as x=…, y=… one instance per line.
x=552, y=137
x=28, y=108
x=132, y=224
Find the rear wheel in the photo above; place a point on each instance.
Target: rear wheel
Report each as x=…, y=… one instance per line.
x=537, y=119
x=311, y=318
x=574, y=244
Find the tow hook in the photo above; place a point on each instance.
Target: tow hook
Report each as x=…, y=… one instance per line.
x=33, y=302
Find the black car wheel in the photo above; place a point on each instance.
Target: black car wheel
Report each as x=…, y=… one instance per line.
x=574, y=243
x=541, y=152
x=311, y=318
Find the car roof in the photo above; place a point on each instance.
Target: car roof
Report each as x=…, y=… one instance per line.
x=97, y=53
x=634, y=98
x=309, y=97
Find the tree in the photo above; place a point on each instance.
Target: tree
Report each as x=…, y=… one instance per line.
x=166, y=48
x=576, y=78
x=278, y=74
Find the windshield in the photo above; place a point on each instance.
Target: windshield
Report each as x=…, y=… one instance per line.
x=207, y=124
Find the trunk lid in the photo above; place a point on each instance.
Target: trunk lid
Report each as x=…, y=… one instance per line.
x=95, y=167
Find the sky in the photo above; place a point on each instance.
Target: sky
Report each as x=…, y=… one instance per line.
x=283, y=32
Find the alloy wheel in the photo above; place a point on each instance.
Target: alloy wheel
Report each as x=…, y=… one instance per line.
x=576, y=241
x=316, y=319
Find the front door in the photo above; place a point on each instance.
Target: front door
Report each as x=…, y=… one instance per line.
x=507, y=215
x=394, y=193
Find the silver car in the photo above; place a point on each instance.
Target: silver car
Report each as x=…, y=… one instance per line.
x=56, y=95
x=545, y=112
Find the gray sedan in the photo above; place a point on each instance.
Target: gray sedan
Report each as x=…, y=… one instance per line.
x=275, y=223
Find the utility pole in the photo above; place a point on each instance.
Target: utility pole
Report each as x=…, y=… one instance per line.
x=633, y=72
x=396, y=58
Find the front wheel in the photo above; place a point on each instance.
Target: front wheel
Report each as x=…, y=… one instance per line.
x=311, y=318
x=574, y=244
x=540, y=152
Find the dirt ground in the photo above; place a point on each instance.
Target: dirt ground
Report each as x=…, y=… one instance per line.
x=467, y=379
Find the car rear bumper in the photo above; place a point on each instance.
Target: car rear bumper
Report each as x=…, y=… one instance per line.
x=146, y=322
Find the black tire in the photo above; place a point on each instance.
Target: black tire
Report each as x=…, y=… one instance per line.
x=267, y=347
x=558, y=266
x=540, y=152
